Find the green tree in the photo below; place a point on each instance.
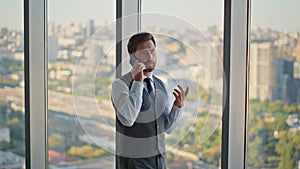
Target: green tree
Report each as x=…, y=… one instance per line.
x=16, y=127
x=298, y=110
x=19, y=151
x=285, y=149
x=256, y=133
x=212, y=148
x=55, y=142
x=275, y=106
x=280, y=123
x=86, y=152
x=255, y=155
x=256, y=107
x=6, y=81
x=296, y=143
x=4, y=145
x=289, y=109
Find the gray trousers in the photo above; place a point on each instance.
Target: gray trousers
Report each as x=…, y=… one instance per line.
x=154, y=162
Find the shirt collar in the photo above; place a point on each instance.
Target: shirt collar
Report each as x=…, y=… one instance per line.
x=151, y=77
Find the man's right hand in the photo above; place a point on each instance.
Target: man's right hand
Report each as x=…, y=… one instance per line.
x=137, y=71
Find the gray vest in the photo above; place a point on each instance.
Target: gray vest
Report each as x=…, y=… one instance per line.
x=145, y=138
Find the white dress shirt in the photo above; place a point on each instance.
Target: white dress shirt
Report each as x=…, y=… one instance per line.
x=128, y=103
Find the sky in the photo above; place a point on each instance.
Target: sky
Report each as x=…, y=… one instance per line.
x=276, y=14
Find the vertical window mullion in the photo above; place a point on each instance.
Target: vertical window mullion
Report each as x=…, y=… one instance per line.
x=128, y=23
x=27, y=84
x=37, y=84
x=238, y=84
x=226, y=83
x=118, y=38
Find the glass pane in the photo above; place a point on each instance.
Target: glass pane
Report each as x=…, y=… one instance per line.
x=12, y=123
x=274, y=109
x=81, y=67
x=189, y=36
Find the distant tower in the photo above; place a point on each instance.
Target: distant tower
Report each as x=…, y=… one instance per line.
x=266, y=72
x=50, y=28
x=297, y=51
x=52, y=48
x=93, y=54
x=299, y=33
x=89, y=29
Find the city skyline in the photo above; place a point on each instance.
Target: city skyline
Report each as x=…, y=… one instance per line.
x=276, y=16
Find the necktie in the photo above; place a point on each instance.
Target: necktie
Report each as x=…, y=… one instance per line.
x=149, y=86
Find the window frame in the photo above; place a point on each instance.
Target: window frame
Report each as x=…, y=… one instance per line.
x=35, y=83
x=236, y=65
x=238, y=62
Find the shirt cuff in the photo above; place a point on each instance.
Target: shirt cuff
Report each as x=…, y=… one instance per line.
x=137, y=86
x=177, y=106
x=176, y=110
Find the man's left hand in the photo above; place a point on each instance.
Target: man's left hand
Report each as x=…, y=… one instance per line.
x=180, y=95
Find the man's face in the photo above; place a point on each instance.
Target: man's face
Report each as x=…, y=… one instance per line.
x=146, y=53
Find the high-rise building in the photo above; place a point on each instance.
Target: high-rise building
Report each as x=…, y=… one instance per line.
x=52, y=28
x=296, y=73
x=298, y=32
x=93, y=54
x=89, y=29
x=4, y=31
x=211, y=59
x=209, y=72
x=288, y=80
x=297, y=51
x=296, y=77
x=266, y=72
x=52, y=48
x=5, y=134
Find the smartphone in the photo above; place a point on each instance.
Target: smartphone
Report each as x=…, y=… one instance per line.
x=132, y=61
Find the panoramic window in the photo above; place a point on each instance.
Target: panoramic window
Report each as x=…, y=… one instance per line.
x=274, y=95
x=190, y=53
x=81, y=67
x=12, y=112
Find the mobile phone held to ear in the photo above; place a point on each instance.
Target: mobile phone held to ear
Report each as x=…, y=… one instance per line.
x=132, y=59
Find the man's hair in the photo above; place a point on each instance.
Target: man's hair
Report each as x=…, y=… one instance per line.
x=138, y=38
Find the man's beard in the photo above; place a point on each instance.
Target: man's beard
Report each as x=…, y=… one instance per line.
x=149, y=69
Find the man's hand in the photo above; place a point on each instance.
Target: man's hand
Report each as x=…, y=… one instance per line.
x=137, y=71
x=180, y=96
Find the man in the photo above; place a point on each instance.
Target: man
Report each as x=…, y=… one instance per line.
x=144, y=109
